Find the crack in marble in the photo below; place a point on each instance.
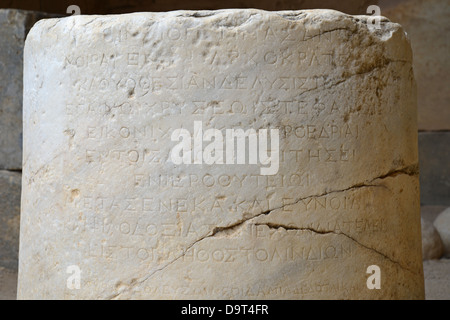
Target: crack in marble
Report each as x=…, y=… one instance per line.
x=324, y=232
x=411, y=170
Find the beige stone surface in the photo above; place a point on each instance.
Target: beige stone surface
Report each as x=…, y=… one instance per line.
x=432, y=247
x=442, y=225
x=437, y=279
x=427, y=23
x=104, y=94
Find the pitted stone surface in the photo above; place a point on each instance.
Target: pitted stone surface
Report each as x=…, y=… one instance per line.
x=103, y=98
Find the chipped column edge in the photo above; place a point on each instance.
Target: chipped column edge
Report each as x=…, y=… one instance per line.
x=388, y=27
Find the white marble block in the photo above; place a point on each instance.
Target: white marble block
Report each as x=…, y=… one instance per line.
x=233, y=154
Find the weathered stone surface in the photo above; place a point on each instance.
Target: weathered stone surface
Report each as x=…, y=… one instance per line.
x=10, y=183
x=442, y=225
x=105, y=95
x=434, y=156
x=427, y=22
x=437, y=279
x=432, y=247
x=14, y=26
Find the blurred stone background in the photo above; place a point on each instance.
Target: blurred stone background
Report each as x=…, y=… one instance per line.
x=427, y=23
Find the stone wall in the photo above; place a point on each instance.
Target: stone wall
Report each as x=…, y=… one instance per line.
x=427, y=23
x=14, y=26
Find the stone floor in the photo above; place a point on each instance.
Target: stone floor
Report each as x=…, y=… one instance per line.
x=8, y=284
x=437, y=281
